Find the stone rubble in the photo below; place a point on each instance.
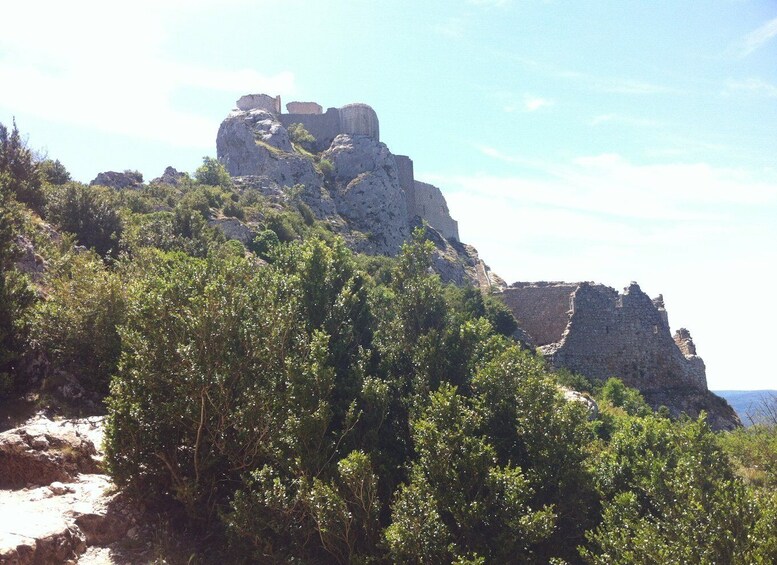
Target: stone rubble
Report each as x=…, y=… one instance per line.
x=56, y=503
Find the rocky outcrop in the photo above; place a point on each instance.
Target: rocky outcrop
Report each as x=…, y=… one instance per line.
x=232, y=228
x=170, y=176
x=119, y=181
x=44, y=451
x=431, y=206
x=370, y=198
x=593, y=330
x=367, y=191
x=55, y=502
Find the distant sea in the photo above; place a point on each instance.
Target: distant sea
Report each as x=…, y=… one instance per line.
x=747, y=403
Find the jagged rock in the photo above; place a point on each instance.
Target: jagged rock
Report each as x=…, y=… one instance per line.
x=170, y=176
x=43, y=451
x=574, y=396
x=117, y=180
x=73, y=507
x=593, y=330
x=232, y=228
x=368, y=193
x=431, y=206
x=370, y=201
x=29, y=261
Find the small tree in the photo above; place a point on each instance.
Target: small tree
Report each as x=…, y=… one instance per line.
x=302, y=137
x=212, y=173
x=16, y=159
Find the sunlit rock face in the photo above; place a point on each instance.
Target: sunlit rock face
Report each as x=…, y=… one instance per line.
x=593, y=330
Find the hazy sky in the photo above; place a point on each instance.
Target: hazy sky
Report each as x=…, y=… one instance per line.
x=587, y=140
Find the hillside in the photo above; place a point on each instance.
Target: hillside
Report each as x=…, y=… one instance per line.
x=298, y=361
x=748, y=404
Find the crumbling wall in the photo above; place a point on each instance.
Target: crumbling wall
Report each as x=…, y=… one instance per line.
x=324, y=127
x=623, y=335
x=541, y=308
x=304, y=108
x=431, y=206
x=259, y=102
x=407, y=182
x=359, y=119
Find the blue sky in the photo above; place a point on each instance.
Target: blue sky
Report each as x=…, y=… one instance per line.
x=604, y=141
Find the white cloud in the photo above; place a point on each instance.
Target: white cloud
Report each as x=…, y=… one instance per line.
x=101, y=65
x=752, y=86
x=623, y=120
x=534, y=103
x=759, y=37
x=698, y=233
x=452, y=28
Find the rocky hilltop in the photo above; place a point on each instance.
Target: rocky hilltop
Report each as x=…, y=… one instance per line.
x=593, y=330
x=370, y=196
x=346, y=175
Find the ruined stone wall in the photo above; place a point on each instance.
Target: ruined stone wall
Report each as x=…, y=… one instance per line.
x=623, y=335
x=304, y=108
x=324, y=127
x=259, y=102
x=359, y=119
x=407, y=181
x=541, y=308
x=431, y=206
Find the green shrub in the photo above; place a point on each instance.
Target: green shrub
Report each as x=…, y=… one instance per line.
x=212, y=173
x=88, y=212
x=300, y=136
x=23, y=173
x=76, y=325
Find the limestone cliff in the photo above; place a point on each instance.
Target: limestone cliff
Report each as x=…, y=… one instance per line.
x=370, y=196
x=593, y=330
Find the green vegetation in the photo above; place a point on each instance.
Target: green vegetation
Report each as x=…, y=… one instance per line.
x=317, y=406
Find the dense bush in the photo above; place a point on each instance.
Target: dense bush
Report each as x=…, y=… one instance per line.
x=17, y=162
x=212, y=173
x=16, y=295
x=89, y=212
x=76, y=325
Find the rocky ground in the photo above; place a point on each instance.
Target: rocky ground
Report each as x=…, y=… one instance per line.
x=57, y=504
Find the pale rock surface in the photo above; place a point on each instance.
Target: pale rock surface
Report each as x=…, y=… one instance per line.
x=119, y=180
x=368, y=193
x=66, y=505
x=170, y=176
x=232, y=228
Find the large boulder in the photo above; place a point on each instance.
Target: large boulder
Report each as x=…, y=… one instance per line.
x=119, y=180
x=67, y=504
x=43, y=451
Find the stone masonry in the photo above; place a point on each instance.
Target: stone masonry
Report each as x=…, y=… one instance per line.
x=593, y=330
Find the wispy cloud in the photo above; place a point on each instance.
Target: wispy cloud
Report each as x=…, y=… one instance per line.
x=753, y=86
x=620, y=119
x=534, y=103
x=759, y=37
x=489, y=3
x=453, y=28
x=596, y=83
x=75, y=69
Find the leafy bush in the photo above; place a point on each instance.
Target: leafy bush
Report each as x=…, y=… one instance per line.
x=76, y=325
x=23, y=178
x=212, y=173
x=53, y=172
x=88, y=212
x=302, y=137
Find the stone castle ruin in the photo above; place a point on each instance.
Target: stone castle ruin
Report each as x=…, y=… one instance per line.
x=593, y=330
x=422, y=200
x=371, y=197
